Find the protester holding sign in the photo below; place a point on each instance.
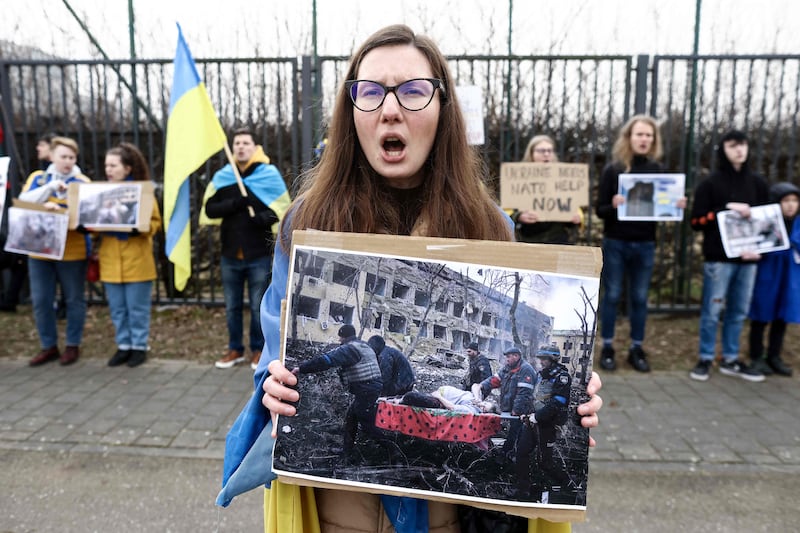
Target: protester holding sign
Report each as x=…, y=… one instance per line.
x=727, y=281
x=629, y=246
x=127, y=265
x=528, y=226
x=49, y=187
x=397, y=163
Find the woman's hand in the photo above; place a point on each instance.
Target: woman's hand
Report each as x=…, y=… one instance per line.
x=617, y=200
x=51, y=206
x=528, y=217
x=277, y=391
x=681, y=203
x=588, y=410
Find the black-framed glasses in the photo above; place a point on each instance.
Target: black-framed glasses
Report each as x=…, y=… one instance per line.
x=413, y=95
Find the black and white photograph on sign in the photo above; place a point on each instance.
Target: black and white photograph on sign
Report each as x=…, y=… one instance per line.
x=109, y=205
x=763, y=232
x=382, y=347
x=33, y=232
x=651, y=197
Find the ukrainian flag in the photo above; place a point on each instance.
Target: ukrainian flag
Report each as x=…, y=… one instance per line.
x=193, y=135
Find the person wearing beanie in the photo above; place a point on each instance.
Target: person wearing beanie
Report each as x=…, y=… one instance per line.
x=776, y=296
x=727, y=281
x=396, y=372
x=361, y=375
x=479, y=367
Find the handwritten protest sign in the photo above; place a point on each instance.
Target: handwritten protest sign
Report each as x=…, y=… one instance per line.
x=471, y=100
x=554, y=191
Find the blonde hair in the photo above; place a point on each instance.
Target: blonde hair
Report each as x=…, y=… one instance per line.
x=536, y=141
x=623, y=152
x=64, y=141
x=453, y=179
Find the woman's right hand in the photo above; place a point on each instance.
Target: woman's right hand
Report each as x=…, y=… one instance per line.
x=528, y=217
x=277, y=391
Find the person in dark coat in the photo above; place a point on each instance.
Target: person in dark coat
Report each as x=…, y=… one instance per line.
x=360, y=374
x=516, y=381
x=396, y=372
x=551, y=402
x=727, y=281
x=776, y=295
x=479, y=367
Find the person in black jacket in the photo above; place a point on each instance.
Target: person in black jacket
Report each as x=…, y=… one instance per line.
x=361, y=375
x=479, y=367
x=396, y=372
x=727, y=282
x=551, y=408
x=628, y=246
x=247, y=227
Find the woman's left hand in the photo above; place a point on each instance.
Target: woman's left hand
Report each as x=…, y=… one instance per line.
x=588, y=410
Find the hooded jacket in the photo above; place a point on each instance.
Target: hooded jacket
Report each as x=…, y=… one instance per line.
x=777, y=288
x=711, y=196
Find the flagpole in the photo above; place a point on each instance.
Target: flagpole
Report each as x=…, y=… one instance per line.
x=239, y=181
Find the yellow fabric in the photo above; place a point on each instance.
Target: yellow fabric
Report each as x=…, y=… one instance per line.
x=295, y=509
x=296, y=512
x=131, y=260
x=540, y=525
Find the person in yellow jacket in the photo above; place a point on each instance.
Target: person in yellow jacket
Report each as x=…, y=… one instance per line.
x=127, y=266
x=49, y=188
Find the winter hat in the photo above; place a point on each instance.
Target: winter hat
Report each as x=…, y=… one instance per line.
x=347, y=331
x=473, y=346
x=781, y=189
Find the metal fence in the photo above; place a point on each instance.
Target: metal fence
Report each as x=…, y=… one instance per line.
x=579, y=100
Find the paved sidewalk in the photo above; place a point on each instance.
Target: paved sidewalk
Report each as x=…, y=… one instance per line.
x=179, y=409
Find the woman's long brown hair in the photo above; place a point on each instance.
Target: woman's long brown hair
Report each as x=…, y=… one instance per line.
x=343, y=192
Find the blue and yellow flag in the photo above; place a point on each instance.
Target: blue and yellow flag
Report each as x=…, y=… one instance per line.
x=193, y=135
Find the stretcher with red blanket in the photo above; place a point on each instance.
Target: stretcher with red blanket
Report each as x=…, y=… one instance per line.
x=438, y=424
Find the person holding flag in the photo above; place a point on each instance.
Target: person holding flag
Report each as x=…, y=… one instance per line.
x=248, y=224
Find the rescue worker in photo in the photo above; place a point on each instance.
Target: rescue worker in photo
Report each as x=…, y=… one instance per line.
x=551, y=403
x=479, y=366
x=361, y=375
x=396, y=372
x=516, y=381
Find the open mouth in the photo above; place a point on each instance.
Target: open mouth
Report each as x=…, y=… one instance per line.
x=393, y=146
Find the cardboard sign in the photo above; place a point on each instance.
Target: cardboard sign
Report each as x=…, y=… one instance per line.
x=36, y=231
x=111, y=206
x=554, y=191
x=425, y=296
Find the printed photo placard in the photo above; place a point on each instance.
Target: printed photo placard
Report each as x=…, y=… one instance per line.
x=651, y=197
x=105, y=206
x=34, y=230
x=763, y=232
x=428, y=299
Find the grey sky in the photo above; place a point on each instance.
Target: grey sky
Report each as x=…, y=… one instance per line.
x=278, y=28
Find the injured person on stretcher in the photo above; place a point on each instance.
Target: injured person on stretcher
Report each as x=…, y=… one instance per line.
x=448, y=414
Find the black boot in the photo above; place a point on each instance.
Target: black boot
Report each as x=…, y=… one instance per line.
x=760, y=364
x=607, y=358
x=778, y=366
x=119, y=358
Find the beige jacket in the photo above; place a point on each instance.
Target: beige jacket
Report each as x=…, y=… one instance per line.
x=342, y=511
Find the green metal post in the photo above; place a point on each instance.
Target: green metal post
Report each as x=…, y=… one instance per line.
x=135, y=99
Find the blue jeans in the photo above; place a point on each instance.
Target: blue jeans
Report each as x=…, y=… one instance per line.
x=71, y=275
x=726, y=286
x=235, y=272
x=129, y=306
x=634, y=259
